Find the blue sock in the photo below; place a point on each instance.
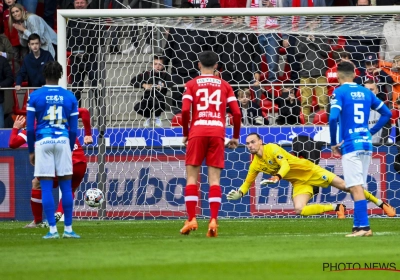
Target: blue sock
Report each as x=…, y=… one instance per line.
x=360, y=207
x=48, y=200
x=356, y=221
x=67, y=201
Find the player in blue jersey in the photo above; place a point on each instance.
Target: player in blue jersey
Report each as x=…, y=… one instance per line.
x=350, y=107
x=51, y=143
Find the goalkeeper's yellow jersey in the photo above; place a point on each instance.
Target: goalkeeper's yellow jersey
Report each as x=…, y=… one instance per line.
x=276, y=160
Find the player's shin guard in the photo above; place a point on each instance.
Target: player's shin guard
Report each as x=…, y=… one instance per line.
x=214, y=199
x=315, y=209
x=36, y=205
x=67, y=201
x=48, y=201
x=361, y=214
x=60, y=207
x=191, y=199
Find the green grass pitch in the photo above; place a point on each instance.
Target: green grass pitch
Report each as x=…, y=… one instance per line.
x=245, y=249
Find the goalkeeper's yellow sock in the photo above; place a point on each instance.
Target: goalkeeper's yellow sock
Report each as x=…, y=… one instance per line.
x=314, y=209
x=370, y=197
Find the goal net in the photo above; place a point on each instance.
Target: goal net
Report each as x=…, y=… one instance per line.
x=281, y=64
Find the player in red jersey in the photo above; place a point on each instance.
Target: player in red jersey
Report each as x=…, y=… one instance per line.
x=18, y=138
x=208, y=96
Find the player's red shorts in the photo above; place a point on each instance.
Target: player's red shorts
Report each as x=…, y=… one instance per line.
x=205, y=147
x=78, y=172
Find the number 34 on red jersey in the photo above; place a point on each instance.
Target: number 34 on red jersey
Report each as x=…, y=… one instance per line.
x=208, y=96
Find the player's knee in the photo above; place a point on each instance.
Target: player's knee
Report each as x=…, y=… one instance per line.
x=35, y=184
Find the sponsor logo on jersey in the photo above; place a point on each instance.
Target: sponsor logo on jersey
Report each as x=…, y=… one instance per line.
x=208, y=81
x=324, y=177
x=280, y=157
x=53, y=142
x=54, y=99
x=357, y=95
x=364, y=153
x=270, y=161
x=209, y=122
x=362, y=141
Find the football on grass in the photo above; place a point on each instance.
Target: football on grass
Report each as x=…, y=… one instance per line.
x=94, y=197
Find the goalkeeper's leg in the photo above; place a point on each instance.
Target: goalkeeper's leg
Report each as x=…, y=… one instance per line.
x=388, y=209
x=301, y=208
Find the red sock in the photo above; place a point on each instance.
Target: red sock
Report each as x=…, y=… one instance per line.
x=214, y=199
x=36, y=205
x=191, y=199
x=59, y=208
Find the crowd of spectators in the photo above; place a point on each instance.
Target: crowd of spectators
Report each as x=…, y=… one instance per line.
x=28, y=39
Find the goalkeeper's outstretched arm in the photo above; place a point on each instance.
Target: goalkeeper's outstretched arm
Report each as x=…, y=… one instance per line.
x=244, y=188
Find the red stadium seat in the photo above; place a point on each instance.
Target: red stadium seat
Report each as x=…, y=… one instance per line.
x=302, y=121
x=176, y=120
x=17, y=108
x=282, y=51
x=320, y=117
x=266, y=106
x=395, y=116
x=314, y=104
x=264, y=65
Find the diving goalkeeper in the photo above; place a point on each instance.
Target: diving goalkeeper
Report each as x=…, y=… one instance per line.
x=301, y=173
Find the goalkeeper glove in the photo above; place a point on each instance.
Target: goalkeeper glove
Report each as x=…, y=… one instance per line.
x=234, y=194
x=272, y=180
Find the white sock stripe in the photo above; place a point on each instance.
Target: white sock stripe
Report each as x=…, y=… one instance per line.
x=214, y=199
x=37, y=200
x=191, y=198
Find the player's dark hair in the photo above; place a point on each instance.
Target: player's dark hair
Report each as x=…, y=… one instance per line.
x=337, y=55
x=33, y=37
x=187, y=5
x=52, y=71
x=158, y=57
x=208, y=58
x=346, y=68
x=256, y=134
